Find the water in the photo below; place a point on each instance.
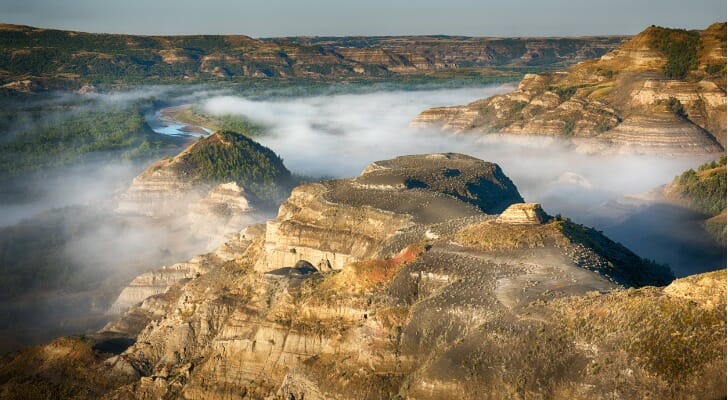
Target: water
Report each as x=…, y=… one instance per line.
x=165, y=126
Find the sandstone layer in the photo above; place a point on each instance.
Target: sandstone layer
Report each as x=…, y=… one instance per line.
x=523, y=214
x=448, y=302
x=84, y=58
x=189, y=191
x=629, y=97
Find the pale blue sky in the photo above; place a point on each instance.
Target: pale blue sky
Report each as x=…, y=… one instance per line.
x=364, y=17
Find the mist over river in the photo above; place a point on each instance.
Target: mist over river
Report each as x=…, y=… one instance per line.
x=75, y=223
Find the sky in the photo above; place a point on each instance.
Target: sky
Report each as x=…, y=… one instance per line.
x=269, y=18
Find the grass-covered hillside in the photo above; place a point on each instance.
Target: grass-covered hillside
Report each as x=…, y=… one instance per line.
x=231, y=156
x=704, y=191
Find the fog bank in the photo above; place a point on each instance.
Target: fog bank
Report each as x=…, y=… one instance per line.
x=337, y=136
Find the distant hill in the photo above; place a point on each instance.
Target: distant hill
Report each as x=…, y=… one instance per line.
x=44, y=58
x=664, y=90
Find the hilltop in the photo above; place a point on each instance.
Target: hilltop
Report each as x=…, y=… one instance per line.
x=40, y=59
x=424, y=277
x=664, y=90
x=218, y=158
x=62, y=269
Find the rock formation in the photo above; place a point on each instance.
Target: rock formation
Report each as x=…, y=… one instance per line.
x=331, y=224
x=216, y=186
x=435, y=298
x=638, y=95
x=85, y=57
x=523, y=214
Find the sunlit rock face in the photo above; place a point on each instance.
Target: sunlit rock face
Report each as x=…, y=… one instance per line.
x=333, y=223
x=448, y=284
x=622, y=100
x=523, y=214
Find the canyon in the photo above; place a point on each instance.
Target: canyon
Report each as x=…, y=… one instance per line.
x=86, y=61
x=425, y=277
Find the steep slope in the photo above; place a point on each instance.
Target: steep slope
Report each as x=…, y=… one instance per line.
x=216, y=186
x=664, y=90
x=331, y=224
x=44, y=58
x=703, y=191
x=448, y=302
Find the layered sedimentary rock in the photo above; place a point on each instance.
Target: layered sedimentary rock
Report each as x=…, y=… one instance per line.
x=629, y=97
x=86, y=57
x=161, y=191
x=156, y=282
x=453, y=304
x=523, y=214
x=208, y=200
x=226, y=208
x=333, y=223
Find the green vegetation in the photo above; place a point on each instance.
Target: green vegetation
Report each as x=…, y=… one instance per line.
x=47, y=140
x=704, y=190
x=227, y=122
x=715, y=69
x=679, y=46
x=675, y=106
x=63, y=59
x=32, y=256
x=568, y=129
x=231, y=156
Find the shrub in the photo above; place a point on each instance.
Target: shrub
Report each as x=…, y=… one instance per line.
x=680, y=47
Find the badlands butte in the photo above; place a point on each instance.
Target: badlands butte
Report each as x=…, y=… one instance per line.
x=426, y=277
x=662, y=91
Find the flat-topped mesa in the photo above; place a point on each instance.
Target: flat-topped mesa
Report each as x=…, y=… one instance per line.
x=333, y=223
x=523, y=214
x=639, y=96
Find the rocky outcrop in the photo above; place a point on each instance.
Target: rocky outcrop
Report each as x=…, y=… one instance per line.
x=627, y=98
x=450, y=304
x=208, y=199
x=334, y=223
x=190, y=58
x=662, y=134
x=523, y=214
x=225, y=209
x=161, y=280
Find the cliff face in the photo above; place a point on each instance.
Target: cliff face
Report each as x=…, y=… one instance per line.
x=334, y=223
x=214, y=187
x=448, y=301
x=645, y=95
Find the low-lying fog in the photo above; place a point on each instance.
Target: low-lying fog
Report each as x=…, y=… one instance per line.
x=320, y=136
x=339, y=135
